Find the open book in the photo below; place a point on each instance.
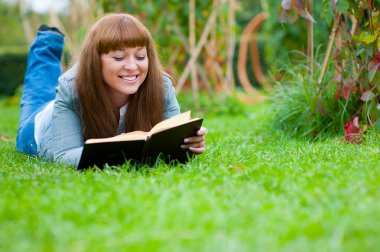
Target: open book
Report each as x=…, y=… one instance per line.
x=164, y=140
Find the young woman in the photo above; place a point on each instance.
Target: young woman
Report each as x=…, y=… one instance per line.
x=118, y=86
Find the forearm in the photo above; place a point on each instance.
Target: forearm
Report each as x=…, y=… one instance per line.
x=67, y=133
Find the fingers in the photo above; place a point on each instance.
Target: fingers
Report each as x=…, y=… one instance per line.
x=196, y=144
x=194, y=139
x=196, y=148
x=200, y=137
x=197, y=151
x=202, y=131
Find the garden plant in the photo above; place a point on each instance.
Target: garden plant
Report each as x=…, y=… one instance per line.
x=343, y=93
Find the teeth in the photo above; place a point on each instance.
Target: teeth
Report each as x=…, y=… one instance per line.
x=129, y=78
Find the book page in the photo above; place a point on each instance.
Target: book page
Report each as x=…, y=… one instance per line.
x=141, y=135
x=171, y=122
x=130, y=136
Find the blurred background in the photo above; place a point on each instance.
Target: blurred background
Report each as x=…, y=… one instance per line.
x=200, y=42
x=316, y=64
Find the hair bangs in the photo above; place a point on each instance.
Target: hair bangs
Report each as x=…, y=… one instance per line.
x=126, y=33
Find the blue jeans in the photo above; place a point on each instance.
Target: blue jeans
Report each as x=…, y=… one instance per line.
x=41, y=79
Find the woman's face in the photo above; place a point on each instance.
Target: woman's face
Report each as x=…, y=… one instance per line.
x=124, y=71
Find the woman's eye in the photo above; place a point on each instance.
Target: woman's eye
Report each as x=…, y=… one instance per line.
x=118, y=58
x=140, y=57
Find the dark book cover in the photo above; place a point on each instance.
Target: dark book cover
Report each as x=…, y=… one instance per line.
x=165, y=144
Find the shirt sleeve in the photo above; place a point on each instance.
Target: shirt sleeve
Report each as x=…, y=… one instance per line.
x=67, y=134
x=171, y=104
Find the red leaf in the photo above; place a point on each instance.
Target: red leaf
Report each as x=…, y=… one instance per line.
x=352, y=131
x=346, y=91
x=352, y=126
x=362, y=89
x=338, y=93
x=348, y=87
x=370, y=4
x=376, y=59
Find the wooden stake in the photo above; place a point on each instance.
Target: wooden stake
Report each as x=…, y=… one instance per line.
x=210, y=22
x=337, y=19
x=230, y=44
x=200, y=69
x=194, y=75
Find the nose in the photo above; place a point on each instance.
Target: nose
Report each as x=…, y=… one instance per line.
x=130, y=64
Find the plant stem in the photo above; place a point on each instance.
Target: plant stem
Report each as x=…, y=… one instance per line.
x=338, y=17
x=310, y=47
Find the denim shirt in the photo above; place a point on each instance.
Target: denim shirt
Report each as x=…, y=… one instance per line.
x=63, y=141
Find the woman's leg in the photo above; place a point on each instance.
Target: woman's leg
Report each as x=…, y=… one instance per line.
x=41, y=79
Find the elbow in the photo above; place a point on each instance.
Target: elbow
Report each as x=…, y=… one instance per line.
x=66, y=159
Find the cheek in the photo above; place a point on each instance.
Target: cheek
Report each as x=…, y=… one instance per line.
x=108, y=75
x=105, y=73
x=145, y=67
x=109, y=69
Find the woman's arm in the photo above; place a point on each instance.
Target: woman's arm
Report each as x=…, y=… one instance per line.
x=171, y=103
x=67, y=133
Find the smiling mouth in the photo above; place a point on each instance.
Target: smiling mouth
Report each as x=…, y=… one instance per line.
x=129, y=77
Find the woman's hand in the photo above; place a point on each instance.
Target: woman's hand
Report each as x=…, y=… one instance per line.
x=196, y=144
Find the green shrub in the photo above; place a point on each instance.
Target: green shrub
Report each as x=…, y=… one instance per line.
x=301, y=109
x=12, y=70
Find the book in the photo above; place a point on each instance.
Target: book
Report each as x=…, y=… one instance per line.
x=163, y=141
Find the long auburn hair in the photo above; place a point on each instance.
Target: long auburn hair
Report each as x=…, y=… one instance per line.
x=145, y=107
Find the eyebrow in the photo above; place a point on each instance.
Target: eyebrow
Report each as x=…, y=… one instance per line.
x=141, y=48
x=121, y=50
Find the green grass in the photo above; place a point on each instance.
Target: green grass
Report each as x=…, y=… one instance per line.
x=254, y=190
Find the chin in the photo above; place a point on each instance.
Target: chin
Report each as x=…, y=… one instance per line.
x=132, y=91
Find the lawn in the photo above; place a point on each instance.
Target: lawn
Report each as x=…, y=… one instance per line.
x=254, y=190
